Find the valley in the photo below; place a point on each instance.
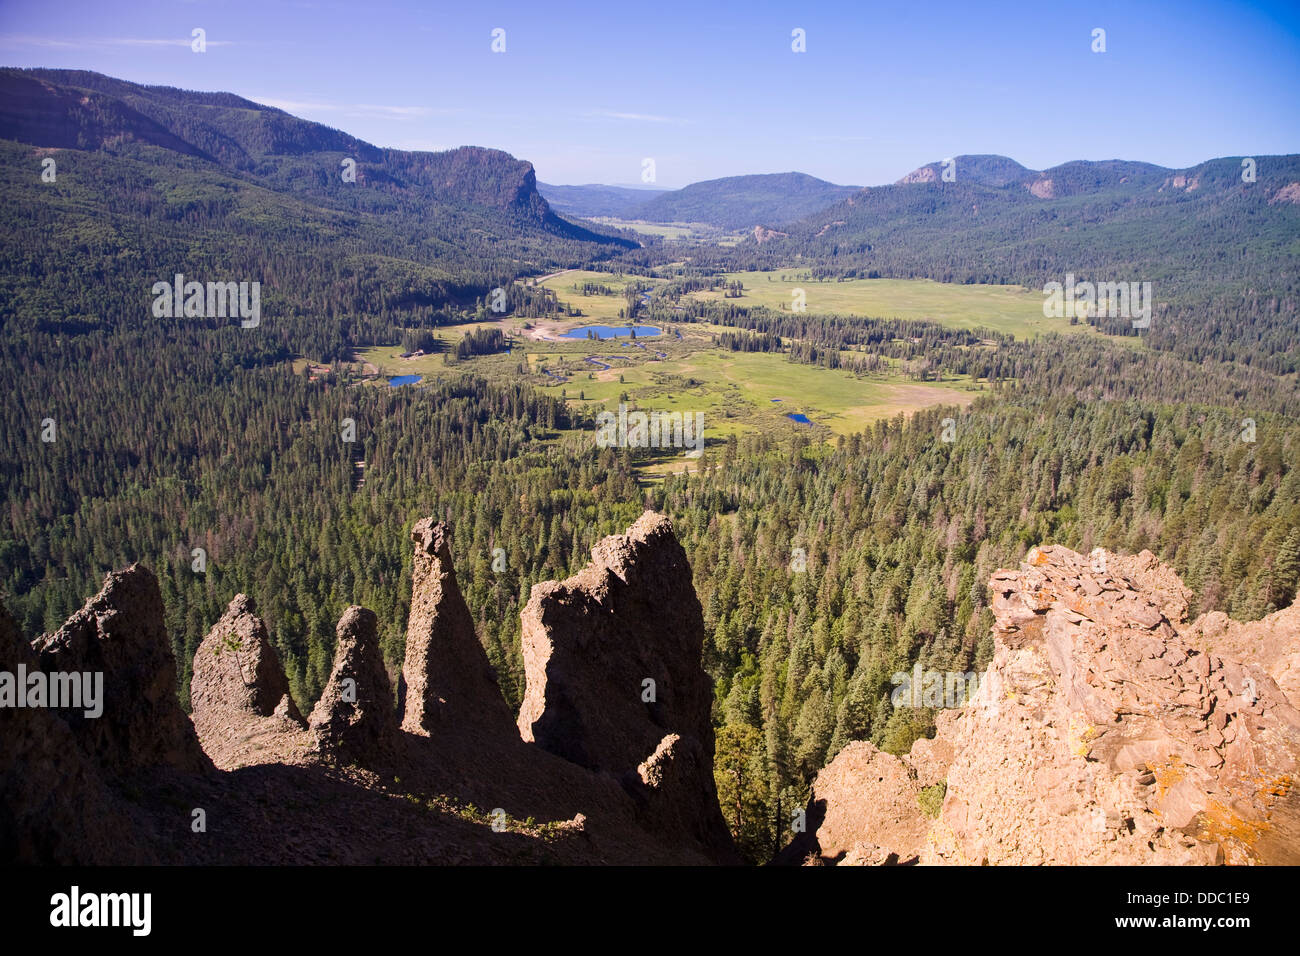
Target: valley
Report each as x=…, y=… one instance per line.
x=684, y=369
x=901, y=454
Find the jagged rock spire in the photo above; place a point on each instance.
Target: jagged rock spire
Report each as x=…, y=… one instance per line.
x=122, y=633
x=449, y=684
x=355, y=716
x=615, y=683
x=592, y=643
x=238, y=692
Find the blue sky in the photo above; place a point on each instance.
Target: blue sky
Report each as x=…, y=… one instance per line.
x=586, y=91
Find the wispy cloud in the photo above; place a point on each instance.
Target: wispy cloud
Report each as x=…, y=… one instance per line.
x=373, y=110
x=634, y=117
x=79, y=43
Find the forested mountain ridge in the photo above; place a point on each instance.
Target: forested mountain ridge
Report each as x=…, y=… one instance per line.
x=740, y=202
x=83, y=110
x=593, y=200
x=1220, y=251
x=149, y=182
x=1069, y=178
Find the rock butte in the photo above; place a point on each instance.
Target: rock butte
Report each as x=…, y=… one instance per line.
x=1107, y=729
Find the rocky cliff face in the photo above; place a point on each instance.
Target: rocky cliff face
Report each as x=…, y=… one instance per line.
x=1107, y=729
x=248, y=780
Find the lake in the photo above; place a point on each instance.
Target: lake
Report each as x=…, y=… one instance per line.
x=800, y=418
x=404, y=379
x=612, y=331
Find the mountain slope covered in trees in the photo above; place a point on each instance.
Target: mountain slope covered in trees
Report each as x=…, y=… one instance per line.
x=586, y=202
x=1220, y=252
x=740, y=202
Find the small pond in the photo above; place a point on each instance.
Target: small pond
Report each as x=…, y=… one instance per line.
x=613, y=331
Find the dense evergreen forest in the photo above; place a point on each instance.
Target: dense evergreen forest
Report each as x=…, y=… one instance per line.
x=823, y=567
x=167, y=446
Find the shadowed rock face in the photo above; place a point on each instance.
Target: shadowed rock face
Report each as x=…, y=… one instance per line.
x=668, y=787
x=612, y=659
x=121, y=633
x=449, y=684
x=354, y=716
x=41, y=763
x=592, y=642
x=238, y=690
x=1099, y=734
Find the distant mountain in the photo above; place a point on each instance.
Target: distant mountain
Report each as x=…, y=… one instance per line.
x=1210, y=242
x=1068, y=179
x=586, y=202
x=77, y=109
x=739, y=202
x=987, y=170
x=153, y=181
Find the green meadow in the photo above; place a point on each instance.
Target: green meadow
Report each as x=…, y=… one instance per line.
x=736, y=391
x=1002, y=308
x=604, y=308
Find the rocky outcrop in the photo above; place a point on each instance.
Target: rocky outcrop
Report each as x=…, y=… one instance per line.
x=449, y=684
x=1290, y=193
x=670, y=801
x=355, y=716
x=1273, y=642
x=41, y=763
x=121, y=634
x=844, y=826
x=1099, y=734
x=614, y=682
x=239, y=693
x=456, y=785
x=612, y=654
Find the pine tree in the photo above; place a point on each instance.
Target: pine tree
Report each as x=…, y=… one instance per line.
x=1286, y=572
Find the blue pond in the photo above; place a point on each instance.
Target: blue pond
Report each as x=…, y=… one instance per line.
x=612, y=331
x=800, y=418
x=404, y=379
